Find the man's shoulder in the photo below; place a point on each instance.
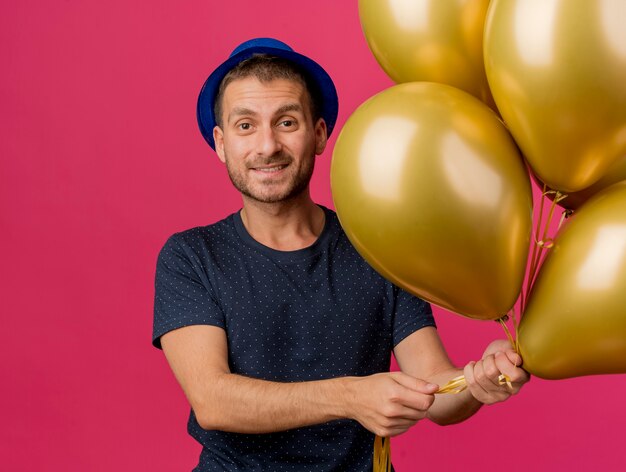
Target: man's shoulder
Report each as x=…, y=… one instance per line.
x=202, y=238
x=217, y=229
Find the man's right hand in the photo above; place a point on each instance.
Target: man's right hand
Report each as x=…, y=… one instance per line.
x=388, y=404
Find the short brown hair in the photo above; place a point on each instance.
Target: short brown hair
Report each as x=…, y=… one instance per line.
x=267, y=68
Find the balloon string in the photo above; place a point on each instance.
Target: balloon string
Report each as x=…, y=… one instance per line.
x=507, y=332
x=565, y=215
x=540, y=245
x=382, y=454
x=458, y=384
x=534, y=249
x=516, y=327
x=545, y=243
x=539, y=248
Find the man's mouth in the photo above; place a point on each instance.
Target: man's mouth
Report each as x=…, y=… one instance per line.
x=270, y=169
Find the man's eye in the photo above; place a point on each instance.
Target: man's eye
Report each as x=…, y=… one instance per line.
x=287, y=123
x=244, y=126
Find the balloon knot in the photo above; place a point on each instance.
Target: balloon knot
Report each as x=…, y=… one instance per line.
x=560, y=196
x=547, y=244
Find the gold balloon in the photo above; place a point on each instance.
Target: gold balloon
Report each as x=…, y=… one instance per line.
x=432, y=191
x=615, y=173
x=429, y=40
x=557, y=70
x=575, y=321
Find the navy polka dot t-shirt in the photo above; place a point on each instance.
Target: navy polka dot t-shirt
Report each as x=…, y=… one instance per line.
x=315, y=313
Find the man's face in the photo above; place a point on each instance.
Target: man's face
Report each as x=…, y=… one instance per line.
x=268, y=141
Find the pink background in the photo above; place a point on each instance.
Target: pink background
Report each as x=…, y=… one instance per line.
x=101, y=160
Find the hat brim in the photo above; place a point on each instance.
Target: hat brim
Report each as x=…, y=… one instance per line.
x=208, y=93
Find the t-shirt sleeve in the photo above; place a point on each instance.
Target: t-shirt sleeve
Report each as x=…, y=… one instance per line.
x=183, y=295
x=411, y=314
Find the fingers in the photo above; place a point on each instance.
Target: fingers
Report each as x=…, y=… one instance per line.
x=414, y=394
x=475, y=387
x=395, y=402
x=396, y=430
x=413, y=412
x=410, y=397
x=392, y=425
x=488, y=373
x=508, y=363
x=484, y=378
x=415, y=384
x=499, y=345
x=513, y=357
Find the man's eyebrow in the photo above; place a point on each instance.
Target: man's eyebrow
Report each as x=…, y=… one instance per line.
x=240, y=111
x=289, y=107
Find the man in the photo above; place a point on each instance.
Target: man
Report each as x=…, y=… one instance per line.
x=279, y=333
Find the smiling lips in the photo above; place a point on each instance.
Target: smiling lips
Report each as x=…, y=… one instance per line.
x=270, y=169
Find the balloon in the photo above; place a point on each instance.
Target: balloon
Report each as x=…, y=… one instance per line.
x=615, y=173
x=431, y=190
x=429, y=40
x=575, y=320
x=557, y=70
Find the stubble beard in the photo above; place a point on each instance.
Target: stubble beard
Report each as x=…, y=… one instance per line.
x=297, y=185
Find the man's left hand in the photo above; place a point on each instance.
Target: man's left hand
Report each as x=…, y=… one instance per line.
x=483, y=378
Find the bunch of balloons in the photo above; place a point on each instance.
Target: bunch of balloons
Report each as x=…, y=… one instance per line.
x=431, y=178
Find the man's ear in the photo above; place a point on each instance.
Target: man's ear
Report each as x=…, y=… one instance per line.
x=218, y=138
x=321, y=136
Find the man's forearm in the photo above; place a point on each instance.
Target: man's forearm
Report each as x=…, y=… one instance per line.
x=246, y=405
x=451, y=408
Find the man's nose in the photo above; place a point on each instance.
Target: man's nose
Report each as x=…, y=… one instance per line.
x=268, y=143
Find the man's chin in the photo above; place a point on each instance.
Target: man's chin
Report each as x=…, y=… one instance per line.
x=277, y=196
x=269, y=199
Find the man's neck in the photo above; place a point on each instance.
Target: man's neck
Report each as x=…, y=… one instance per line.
x=284, y=226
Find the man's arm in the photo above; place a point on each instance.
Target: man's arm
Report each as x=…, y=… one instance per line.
x=386, y=404
x=423, y=356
